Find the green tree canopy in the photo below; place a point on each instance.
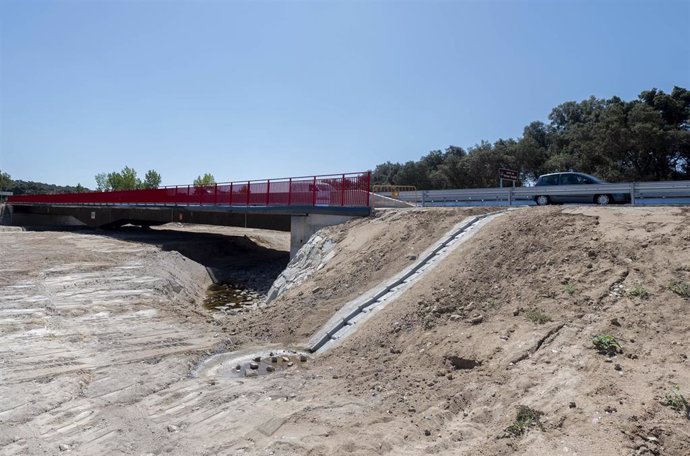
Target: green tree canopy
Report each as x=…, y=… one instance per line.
x=643, y=139
x=205, y=180
x=127, y=180
x=151, y=180
x=5, y=181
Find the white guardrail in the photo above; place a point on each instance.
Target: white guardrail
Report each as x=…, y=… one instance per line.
x=524, y=195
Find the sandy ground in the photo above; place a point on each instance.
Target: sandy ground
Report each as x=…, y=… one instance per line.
x=102, y=339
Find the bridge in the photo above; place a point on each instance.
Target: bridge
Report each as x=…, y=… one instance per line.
x=301, y=205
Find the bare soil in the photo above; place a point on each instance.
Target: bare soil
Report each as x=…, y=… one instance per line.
x=101, y=337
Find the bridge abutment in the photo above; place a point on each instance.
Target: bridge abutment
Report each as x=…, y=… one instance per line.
x=302, y=227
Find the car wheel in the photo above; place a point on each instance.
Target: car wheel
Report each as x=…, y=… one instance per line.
x=542, y=200
x=602, y=200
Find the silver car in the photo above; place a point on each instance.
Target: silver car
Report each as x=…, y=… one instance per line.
x=572, y=178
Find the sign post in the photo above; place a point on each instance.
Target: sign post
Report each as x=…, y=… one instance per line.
x=510, y=175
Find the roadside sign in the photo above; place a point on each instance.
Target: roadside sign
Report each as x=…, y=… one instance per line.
x=508, y=174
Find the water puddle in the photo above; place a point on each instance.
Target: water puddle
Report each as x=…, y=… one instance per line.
x=226, y=296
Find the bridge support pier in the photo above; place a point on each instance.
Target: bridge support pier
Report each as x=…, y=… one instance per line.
x=302, y=227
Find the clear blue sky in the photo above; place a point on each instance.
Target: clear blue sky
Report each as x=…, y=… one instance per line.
x=272, y=89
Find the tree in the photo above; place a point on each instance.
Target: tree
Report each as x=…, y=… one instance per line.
x=124, y=180
x=205, y=180
x=5, y=181
x=643, y=139
x=102, y=184
x=151, y=180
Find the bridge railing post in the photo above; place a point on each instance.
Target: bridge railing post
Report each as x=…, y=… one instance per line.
x=268, y=192
x=313, y=199
x=290, y=192
x=249, y=189
x=230, y=193
x=342, y=191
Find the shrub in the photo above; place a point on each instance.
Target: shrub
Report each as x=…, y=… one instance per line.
x=639, y=291
x=606, y=344
x=680, y=288
x=537, y=316
x=525, y=419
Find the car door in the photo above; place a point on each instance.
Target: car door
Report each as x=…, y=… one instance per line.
x=569, y=179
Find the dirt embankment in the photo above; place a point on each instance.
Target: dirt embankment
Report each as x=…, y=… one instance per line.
x=509, y=319
x=367, y=252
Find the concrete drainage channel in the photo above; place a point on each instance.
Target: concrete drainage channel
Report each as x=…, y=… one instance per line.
x=343, y=323
x=255, y=362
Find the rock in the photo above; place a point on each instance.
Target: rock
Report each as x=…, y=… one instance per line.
x=476, y=319
x=572, y=405
x=63, y=447
x=274, y=359
x=285, y=359
x=427, y=432
x=257, y=359
x=615, y=322
x=173, y=428
x=270, y=368
x=455, y=317
x=303, y=358
x=618, y=367
x=238, y=367
x=251, y=373
x=411, y=257
x=253, y=365
x=290, y=364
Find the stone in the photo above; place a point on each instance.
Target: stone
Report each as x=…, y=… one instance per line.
x=238, y=367
x=251, y=373
x=257, y=359
x=173, y=428
x=476, y=319
x=270, y=368
x=63, y=447
x=618, y=367
x=274, y=359
x=253, y=365
x=290, y=364
x=285, y=359
x=455, y=317
x=427, y=432
x=572, y=405
x=303, y=357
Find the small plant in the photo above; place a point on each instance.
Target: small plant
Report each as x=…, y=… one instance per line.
x=680, y=288
x=569, y=288
x=537, y=316
x=525, y=419
x=606, y=344
x=676, y=400
x=639, y=291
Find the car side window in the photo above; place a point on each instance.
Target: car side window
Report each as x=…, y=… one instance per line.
x=549, y=180
x=586, y=180
x=569, y=179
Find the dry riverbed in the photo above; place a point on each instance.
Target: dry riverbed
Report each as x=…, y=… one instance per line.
x=106, y=346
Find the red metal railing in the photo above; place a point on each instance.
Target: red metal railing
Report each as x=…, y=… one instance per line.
x=337, y=190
